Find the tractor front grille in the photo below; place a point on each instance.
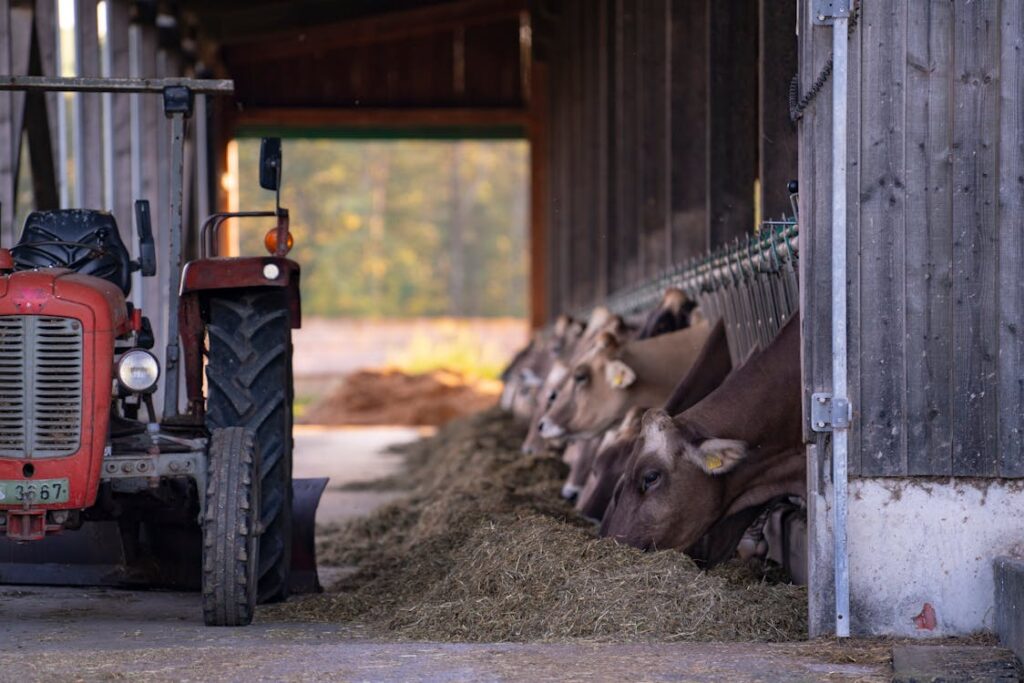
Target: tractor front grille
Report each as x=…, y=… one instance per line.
x=40, y=386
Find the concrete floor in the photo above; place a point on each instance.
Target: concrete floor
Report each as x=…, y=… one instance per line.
x=102, y=634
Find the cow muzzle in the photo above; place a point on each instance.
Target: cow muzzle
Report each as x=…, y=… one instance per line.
x=550, y=430
x=570, y=492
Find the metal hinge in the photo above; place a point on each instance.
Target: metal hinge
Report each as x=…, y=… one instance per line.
x=824, y=12
x=828, y=413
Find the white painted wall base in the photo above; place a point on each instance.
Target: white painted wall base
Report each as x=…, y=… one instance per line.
x=917, y=541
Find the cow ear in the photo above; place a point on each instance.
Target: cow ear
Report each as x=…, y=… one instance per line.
x=530, y=379
x=619, y=375
x=607, y=341
x=718, y=456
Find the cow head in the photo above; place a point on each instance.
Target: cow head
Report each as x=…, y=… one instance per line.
x=609, y=463
x=593, y=396
x=673, y=313
x=672, y=489
x=579, y=455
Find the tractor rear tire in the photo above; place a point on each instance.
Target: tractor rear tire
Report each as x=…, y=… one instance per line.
x=231, y=528
x=249, y=379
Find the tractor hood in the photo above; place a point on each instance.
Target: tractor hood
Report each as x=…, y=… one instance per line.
x=38, y=292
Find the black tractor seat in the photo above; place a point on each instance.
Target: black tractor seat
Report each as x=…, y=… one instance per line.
x=82, y=240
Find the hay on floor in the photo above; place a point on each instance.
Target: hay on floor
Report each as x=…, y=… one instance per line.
x=483, y=549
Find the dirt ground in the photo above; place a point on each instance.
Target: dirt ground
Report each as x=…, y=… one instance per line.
x=102, y=634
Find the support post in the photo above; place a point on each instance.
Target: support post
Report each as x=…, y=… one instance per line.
x=177, y=106
x=840, y=436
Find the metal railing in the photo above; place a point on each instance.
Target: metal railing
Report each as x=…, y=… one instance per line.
x=752, y=284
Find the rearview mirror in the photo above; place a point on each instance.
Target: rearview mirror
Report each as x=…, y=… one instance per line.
x=147, y=249
x=270, y=163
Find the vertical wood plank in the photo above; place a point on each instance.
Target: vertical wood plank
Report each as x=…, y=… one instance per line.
x=601, y=147
x=576, y=282
x=654, y=137
x=975, y=255
x=814, y=164
x=689, y=127
x=8, y=176
x=732, y=119
x=882, y=234
x=45, y=20
x=540, y=180
x=118, y=22
x=777, y=64
x=89, y=152
x=1011, y=241
x=626, y=152
x=565, y=144
x=614, y=126
x=929, y=236
x=854, y=307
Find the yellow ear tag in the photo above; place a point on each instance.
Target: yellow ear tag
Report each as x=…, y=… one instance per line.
x=617, y=379
x=713, y=462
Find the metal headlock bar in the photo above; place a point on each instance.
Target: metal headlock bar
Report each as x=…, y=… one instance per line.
x=752, y=284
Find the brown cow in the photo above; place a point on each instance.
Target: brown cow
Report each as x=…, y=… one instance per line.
x=716, y=465
x=579, y=455
x=617, y=377
x=608, y=465
x=708, y=371
x=602, y=325
x=671, y=314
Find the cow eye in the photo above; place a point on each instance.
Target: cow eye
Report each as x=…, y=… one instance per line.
x=581, y=375
x=649, y=479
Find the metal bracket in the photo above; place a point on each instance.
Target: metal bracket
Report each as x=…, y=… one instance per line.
x=829, y=413
x=824, y=12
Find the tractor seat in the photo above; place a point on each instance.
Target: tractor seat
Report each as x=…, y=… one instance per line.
x=82, y=240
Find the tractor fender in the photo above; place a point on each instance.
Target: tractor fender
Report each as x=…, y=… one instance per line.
x=204, y=275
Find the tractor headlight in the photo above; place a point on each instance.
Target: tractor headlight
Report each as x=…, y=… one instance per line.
x=138, y=371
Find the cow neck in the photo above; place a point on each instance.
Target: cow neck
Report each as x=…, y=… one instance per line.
x=758, y=480
x=759, y=402
x=659, y=362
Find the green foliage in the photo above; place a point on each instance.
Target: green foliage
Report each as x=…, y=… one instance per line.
x=377, y=225
x=452, y=346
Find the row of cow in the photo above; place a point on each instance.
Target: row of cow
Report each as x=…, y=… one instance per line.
x=669, y=444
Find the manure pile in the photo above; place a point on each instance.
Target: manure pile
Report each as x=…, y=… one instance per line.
x=483, y=549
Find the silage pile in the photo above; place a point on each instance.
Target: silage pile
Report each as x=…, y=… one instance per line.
x=484, y=550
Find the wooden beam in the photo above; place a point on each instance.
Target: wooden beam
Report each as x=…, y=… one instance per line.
x=39, y=127
x=540, y=177
x=732, y=119
x=120, y=173
x=305, y=119
x=382, y=28
x=688, y=127
x=89, y=113
x=8, y=174
x=777, y=64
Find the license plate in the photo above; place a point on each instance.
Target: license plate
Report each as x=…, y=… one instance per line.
x=39, y=491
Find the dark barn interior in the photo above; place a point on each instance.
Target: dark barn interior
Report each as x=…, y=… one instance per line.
x=662, y=133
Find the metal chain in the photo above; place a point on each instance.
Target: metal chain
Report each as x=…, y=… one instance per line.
x=797, y=104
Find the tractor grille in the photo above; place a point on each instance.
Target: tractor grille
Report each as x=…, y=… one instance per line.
x=40, y=386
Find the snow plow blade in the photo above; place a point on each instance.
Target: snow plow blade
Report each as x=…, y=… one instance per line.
x=144, y=555
x=305, y=500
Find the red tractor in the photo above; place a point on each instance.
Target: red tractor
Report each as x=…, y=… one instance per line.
x=96, y=487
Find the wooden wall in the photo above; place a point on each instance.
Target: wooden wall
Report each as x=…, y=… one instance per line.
x=661, y=119
x=114, y=150
x=936, y=252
